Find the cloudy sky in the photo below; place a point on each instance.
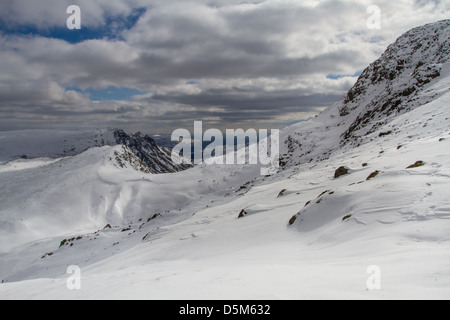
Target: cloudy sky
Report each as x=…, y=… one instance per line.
x=158, y=65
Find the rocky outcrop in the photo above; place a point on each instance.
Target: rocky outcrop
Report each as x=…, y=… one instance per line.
x=157, y=159
x=395, y=84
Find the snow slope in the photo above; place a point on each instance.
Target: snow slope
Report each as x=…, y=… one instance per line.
x=303, y=234
x=101, y=186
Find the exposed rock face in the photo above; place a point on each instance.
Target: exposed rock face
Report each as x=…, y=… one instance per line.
x=392, y=84
x=126, y=157
x=156, y=158
x=395, y=84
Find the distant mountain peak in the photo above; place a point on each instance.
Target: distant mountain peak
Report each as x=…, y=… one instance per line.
x=157, y=159
x=30, y=144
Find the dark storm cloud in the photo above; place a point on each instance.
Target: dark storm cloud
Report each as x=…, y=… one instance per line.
x=250, y=66
x=233, y=100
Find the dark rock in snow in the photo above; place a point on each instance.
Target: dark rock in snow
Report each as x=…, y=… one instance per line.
x=292, y=220
x=341, y=171
x=416, y=165
x=242, y=214
x=373, y=175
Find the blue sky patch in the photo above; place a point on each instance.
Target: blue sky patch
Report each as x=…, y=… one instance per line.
x=113, y=28
x=110, y=93
x=339, y=76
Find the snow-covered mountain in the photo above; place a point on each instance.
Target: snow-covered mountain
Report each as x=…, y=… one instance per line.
x=226, y=232
x=31, y=144
x=395, y=84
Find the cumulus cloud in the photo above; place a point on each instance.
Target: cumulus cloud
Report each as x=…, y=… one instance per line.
x=230, y=62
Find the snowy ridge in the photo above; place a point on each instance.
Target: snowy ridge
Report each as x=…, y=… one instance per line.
x=225, y=232
x=32, y=144
x=395, y=84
